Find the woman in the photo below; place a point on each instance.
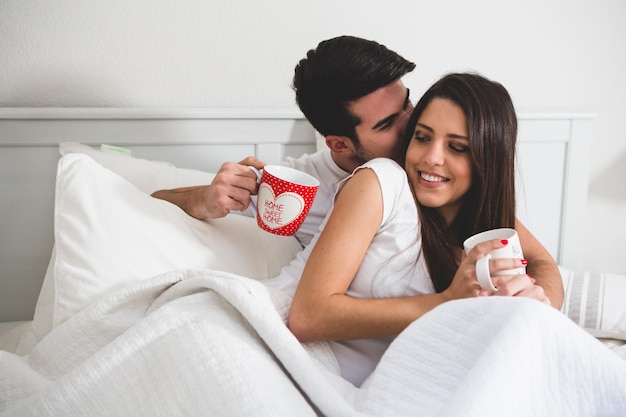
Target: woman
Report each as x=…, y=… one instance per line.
x=379, y=263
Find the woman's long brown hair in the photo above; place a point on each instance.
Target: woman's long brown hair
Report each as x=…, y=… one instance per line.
x=490, y=201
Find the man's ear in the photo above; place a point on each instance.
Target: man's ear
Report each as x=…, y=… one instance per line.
x=340, y=145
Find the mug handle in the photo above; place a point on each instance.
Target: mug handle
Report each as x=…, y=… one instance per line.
x=256, y=172
x=482, y=273
x=258, y=179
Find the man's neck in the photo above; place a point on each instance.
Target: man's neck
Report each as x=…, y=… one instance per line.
x=346, y=164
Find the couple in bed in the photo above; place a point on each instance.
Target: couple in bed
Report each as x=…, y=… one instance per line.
x=402, y=187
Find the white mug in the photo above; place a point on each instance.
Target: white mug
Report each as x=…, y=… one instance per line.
x=513, y=249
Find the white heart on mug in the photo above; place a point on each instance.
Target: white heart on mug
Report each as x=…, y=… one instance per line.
x=278, y=211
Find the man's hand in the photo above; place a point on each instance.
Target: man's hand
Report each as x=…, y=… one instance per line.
x=231, y=189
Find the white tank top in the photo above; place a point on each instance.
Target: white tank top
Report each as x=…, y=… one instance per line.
x=392, y=267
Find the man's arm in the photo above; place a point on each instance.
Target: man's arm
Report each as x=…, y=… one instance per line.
x=231, y=189
x=541, y=265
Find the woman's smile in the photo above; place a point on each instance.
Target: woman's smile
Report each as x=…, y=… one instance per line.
x=431, y=178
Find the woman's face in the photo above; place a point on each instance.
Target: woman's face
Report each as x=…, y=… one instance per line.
x=438, y=158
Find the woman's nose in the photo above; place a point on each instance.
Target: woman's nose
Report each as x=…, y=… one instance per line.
x=434, y=154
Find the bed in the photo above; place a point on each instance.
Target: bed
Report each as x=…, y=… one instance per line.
x=106, y=294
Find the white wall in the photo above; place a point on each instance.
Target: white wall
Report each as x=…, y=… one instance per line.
x=553, y=55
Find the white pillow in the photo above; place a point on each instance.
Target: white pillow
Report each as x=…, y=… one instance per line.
x=148, y=176
x=596, y=302
x=109, y=234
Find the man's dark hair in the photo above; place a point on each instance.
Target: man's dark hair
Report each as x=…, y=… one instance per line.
x=339, y=71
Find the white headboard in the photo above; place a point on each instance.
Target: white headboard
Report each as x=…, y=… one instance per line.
x=552, y=185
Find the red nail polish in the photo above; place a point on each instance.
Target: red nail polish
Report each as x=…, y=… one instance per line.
x=524, y=262
x=504, y=241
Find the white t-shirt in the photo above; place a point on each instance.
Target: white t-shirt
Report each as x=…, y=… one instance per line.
x=393, y=266
x=321, y=166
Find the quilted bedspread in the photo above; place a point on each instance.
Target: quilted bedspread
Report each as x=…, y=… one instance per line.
x=203, y=342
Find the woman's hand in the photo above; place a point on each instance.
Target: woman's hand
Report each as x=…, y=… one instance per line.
x=519, y=286
x=465, y=283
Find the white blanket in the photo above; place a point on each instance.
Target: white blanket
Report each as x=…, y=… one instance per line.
x=198, y=342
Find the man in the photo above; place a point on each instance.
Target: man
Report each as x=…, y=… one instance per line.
x=350, y=90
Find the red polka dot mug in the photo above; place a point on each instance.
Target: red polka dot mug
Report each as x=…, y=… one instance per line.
x=284, y=199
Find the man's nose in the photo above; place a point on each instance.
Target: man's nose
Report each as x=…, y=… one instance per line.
x=405, y=116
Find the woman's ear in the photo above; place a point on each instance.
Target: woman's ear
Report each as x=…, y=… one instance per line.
x=340, y=145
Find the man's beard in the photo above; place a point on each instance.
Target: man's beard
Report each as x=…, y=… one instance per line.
x=361, y=155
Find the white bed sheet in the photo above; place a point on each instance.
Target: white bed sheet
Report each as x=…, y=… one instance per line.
x=203, y=342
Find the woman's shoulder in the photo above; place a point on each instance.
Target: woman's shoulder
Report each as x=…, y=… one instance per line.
x=387, y=170
x=388, y=175
x=381, y=162
x=382, y=166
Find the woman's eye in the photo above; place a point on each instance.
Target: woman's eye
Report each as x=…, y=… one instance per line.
x=458, y=148
x=421, y=138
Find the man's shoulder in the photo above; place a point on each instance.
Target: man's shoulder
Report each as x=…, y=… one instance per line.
x=308, y=159
x=320, y=165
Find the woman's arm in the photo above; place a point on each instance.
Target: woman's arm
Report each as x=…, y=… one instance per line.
x=321, y=310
